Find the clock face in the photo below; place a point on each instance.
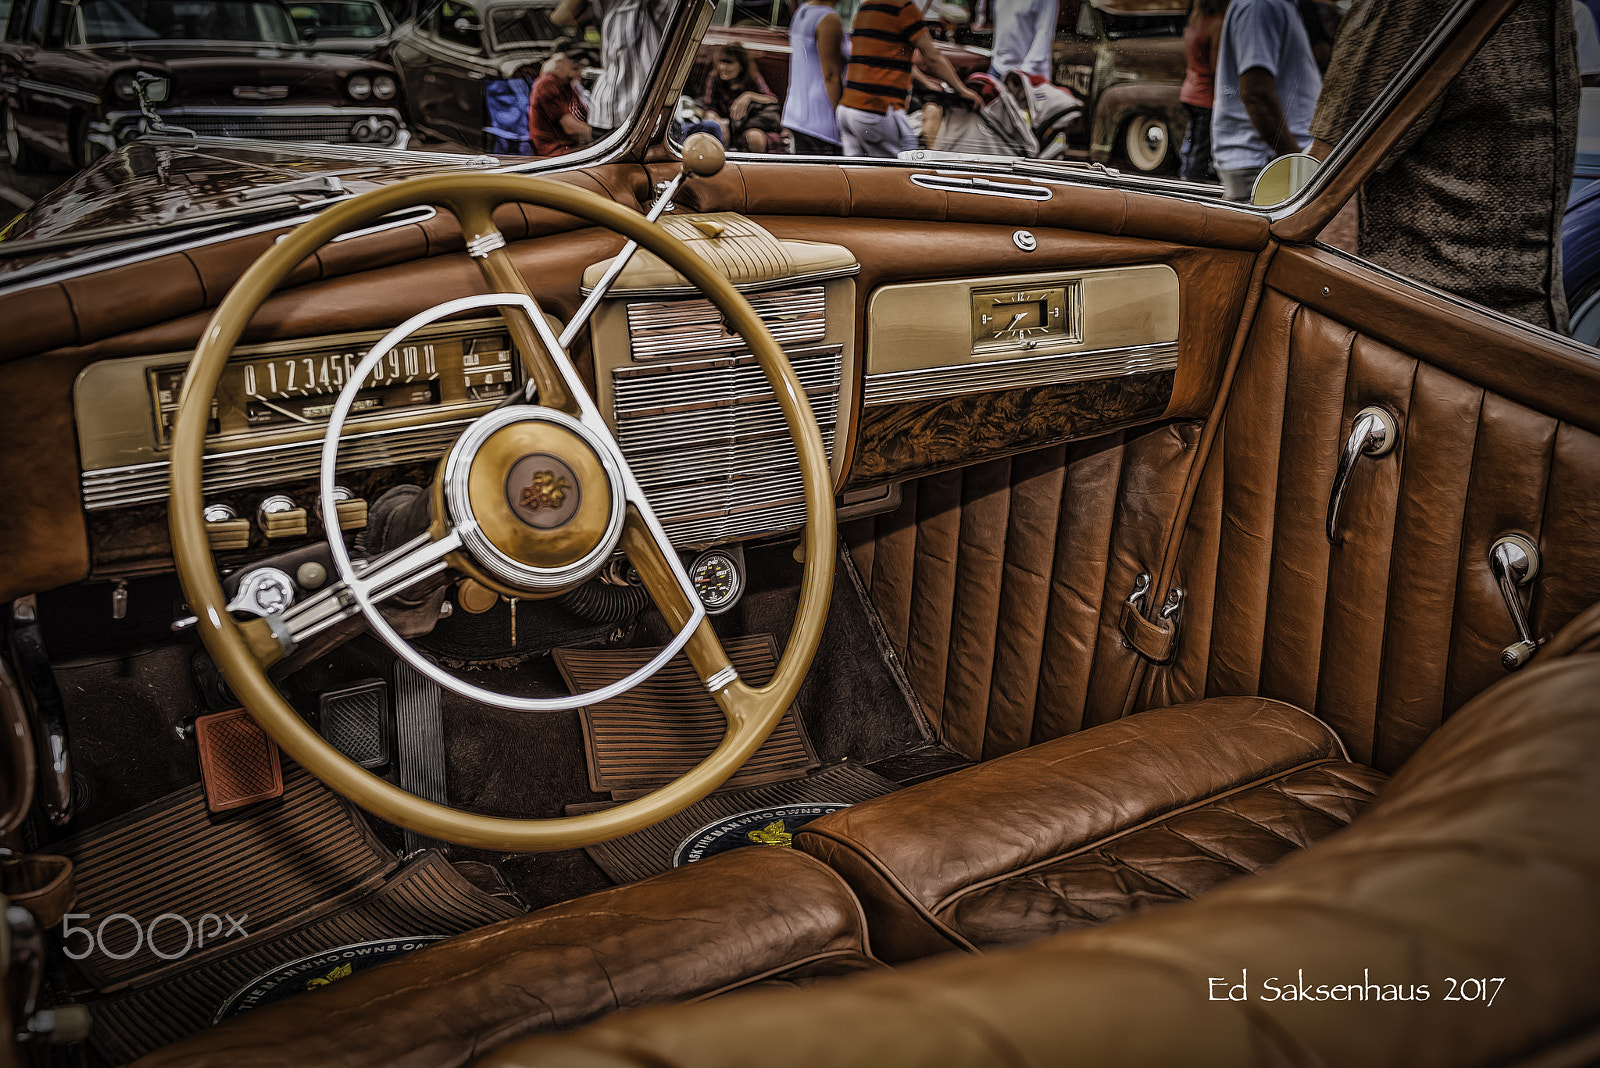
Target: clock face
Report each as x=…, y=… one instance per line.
x=717, y=579
x=1013, y=317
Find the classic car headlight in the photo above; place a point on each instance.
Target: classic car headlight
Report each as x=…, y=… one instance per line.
x=125, y=86
x=359, y=87
x=383, y=87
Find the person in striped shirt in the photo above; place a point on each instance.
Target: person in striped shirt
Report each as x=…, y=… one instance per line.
x=883, y=37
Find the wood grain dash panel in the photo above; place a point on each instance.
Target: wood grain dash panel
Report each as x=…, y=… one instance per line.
x=899, y=441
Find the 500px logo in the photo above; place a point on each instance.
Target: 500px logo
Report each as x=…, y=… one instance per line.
x=172, y=926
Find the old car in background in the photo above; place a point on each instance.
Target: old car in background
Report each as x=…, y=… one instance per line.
x=1124, y=59
x=69, y=72
x=357, y=27
x=453, y=50
x=1106, y=610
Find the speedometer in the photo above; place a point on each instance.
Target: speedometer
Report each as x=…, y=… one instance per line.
x=289, y=386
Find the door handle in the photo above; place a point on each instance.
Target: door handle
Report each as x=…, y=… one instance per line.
x=1515, y=561
x=1374, y=434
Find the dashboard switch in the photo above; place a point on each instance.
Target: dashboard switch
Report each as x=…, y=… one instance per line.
x=351, y=510
x=279, y=517
x=225, y=530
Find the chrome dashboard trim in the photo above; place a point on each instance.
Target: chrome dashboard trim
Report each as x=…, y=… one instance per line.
x=895, y=387
x=960, y=183
x=120, y=487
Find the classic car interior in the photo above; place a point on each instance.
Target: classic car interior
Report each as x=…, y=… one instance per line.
x=1100, y=615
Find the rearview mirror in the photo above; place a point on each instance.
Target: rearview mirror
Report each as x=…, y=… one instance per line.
x=1283, y=178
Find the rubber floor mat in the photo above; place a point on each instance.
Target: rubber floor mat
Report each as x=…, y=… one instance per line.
x=762, y=816
x=423, y=902
x=659, y=730
x=264, y=865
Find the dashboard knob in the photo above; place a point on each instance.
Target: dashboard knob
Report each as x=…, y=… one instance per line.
x=279, y=517
x=350, y=509
x=225, y=530
x=703, y=155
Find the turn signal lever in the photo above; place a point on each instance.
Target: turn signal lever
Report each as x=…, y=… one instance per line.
x=703, y=157
x=1515, y=561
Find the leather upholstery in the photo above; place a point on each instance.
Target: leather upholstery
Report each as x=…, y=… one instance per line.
x=1386, y=635
x=1053, y=536
x=1154, y=808
x=680, y=936
x=1480, y=860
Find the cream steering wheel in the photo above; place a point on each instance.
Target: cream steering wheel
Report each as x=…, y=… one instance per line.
x=480, y=528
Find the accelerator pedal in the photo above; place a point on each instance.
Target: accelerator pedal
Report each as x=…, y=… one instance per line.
x=239, y=764
x=419, y=731
x=355, y=721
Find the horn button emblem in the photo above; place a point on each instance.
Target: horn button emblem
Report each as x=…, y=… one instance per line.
x=537, y=498
x=543, y=491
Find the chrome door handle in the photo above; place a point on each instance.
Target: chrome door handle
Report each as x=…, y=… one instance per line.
x=1515, y=561
x=1374, y=433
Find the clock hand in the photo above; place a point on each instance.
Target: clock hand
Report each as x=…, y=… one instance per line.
x=1015, y=319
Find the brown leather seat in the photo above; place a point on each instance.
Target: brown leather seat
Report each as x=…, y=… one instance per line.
x=1476, y=874
x=1156, y=808
x=749, y=917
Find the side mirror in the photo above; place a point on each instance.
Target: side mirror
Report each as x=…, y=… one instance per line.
x=1281, y=179
x=308, y=35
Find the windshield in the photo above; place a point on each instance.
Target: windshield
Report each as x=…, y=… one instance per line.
x=513, y=27
x=253, y=21
x=335, y=18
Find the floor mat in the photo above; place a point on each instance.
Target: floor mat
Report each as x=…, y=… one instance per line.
x=661, y=729
x=759, y=815
x=267, y=862
x=426, y=900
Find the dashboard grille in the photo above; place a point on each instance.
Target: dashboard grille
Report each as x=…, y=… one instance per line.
x=705, y=437
x=674, y=329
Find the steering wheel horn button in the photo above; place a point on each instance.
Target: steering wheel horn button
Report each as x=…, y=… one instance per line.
x=543, y=492
x=537, y=498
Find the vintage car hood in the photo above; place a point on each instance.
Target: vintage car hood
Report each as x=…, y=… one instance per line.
x=159, y=191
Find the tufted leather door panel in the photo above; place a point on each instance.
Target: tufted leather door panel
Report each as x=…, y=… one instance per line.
x=1388, y=633
x=992, y=580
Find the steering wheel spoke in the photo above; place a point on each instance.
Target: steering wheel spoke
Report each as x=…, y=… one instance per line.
x=376, y=580
x=546, y=363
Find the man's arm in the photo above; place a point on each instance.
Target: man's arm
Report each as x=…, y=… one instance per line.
x=830, y=51
x=1258, y=91
x=575, y=128
x=570, y=13
x=940, y=67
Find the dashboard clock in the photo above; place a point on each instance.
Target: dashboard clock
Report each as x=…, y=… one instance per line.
x=718, y=578
x=1020, y=317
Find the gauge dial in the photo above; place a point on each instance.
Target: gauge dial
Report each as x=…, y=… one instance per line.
x=718, y=580
x=1006, y=317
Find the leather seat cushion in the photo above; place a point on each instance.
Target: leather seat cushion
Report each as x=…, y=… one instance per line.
x=1480, y=861
x=1156, y=808
x=749, y=917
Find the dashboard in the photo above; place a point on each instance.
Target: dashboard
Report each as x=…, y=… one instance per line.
x=942, y=364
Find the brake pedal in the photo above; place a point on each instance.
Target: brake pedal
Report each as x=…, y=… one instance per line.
x=355, y=721
x=419, y=726
x=239, y=763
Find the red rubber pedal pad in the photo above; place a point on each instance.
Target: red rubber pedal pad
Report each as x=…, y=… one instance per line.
x=239, y=764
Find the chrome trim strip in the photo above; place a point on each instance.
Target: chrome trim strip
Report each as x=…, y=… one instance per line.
x=57, y=91
x=896, y=387
x=951, y=183
x=722, y=679
x=120, y=487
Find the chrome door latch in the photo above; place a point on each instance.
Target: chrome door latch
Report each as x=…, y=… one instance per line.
x=1156, y=640
x=1374, y=434
x=1514, y=560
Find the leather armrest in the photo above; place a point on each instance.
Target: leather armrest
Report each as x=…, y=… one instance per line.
x=908, y=854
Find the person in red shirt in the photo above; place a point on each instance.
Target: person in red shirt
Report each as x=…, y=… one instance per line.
x=558, y=122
